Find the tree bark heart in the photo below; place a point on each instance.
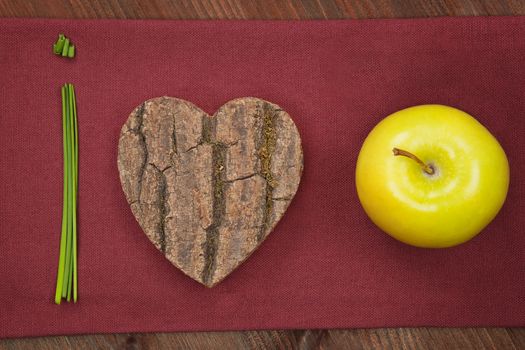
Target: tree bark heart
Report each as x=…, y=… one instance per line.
x=207, y=190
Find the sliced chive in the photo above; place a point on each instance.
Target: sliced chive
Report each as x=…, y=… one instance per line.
x=59, y=45
x=65, y=49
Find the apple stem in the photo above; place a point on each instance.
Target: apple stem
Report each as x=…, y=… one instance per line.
x=427, y=168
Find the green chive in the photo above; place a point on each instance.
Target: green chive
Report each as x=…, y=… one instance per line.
x=67, y=265
x=69, y=202
x=75, y=171
x=65, y=49
x=60, y=273
x=59, y=45
x=73, y=187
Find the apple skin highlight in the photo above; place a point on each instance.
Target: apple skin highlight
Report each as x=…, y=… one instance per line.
x=438, y=208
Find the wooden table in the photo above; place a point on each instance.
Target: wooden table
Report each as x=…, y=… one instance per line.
x=401, y=338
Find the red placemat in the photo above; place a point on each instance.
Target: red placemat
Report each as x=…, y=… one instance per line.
x=325, y=265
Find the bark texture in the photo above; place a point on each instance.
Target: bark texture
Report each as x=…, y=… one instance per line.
x=207, y=190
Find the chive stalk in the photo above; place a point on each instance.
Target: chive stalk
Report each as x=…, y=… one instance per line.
x=67, y=265
x=75, y=187
x=69, y=204
x=62, y=257
x=59, y=45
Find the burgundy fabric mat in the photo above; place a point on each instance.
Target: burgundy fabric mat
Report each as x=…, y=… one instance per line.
x=325, y=265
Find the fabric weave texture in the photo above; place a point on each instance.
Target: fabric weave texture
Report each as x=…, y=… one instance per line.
x=325, y=265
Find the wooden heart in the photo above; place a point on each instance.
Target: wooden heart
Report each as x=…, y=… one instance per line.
x=207, y=190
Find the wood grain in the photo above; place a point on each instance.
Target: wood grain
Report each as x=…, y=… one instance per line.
x=401, y=338
x=257, y=9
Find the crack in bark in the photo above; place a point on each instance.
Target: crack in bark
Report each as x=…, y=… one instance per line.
x=173, y=139
x=163, y=197
x=208, y=127
x=142, y=137
x=264, y=152
x=242, y=178
x=194, y=147
x=159, y=169
x=284, y=199
x=210, y=246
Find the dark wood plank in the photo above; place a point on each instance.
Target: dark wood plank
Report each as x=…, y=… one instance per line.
x=202, y=340
x=424, y=338
x=401, y=338
x=257, y=9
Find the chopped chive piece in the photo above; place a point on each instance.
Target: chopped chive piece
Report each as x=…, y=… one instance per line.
x=65, y=48
x=59, y=45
